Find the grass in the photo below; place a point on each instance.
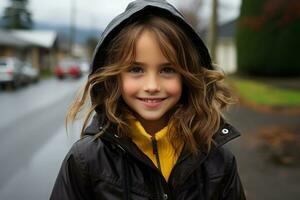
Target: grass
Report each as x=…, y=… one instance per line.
x=264, y=94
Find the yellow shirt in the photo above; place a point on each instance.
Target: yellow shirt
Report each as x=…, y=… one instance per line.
x=166, y=152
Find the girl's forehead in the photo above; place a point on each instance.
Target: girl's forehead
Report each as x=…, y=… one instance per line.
x=149, y=44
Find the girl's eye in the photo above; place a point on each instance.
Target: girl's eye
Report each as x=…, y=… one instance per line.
x=136, y=69
x=168, y=70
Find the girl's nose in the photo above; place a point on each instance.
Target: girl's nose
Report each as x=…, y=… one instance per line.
x=152, y=84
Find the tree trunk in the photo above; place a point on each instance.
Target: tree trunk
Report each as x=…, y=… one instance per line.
x=213, y=30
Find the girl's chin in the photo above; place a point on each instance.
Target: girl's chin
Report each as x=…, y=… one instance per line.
x=158, y=119
x=150, y=118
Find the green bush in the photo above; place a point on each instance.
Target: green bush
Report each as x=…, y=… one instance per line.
x=268, y=37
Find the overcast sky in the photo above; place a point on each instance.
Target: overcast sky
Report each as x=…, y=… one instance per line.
x=98, y=13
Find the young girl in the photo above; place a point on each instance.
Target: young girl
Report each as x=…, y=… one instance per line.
x=157, y=130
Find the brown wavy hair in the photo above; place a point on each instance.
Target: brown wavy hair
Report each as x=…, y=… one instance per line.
x=198, y=114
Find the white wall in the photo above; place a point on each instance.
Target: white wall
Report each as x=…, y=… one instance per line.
x=226, y=55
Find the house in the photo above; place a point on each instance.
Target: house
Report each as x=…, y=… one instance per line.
x=38, y=47
x=226, y=55
x=226, y=49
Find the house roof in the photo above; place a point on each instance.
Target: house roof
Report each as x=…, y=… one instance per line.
x=7, y=38
x=43, y=39
x=227, y=30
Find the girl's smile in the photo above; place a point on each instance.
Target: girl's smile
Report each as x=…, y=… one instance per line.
x=151, y=86
x=152, y=103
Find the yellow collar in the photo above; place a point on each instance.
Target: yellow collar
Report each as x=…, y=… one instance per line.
x=139, y=133
x=165, y=150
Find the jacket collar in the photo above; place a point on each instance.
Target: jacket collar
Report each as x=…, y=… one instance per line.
x=225, y=133
x=180, y=171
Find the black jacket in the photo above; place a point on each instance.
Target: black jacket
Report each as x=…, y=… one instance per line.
x=111, y=167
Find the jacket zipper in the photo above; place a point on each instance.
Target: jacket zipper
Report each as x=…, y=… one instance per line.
x=155, y=152
x=163, y=194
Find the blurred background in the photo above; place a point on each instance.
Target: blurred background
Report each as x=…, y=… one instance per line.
x=45, y=51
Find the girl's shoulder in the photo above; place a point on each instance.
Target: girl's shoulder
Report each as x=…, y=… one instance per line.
x=220, y=161
x=91, y=154
x=220, y=154
x=86, y=150
x=87, y=147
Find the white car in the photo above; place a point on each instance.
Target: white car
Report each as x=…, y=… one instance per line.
x=10, y=71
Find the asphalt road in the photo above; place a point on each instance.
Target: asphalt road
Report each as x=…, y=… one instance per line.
x=263, y=179
x=33, y=138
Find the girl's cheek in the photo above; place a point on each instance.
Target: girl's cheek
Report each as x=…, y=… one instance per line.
x=129, y=86
x=174, y=87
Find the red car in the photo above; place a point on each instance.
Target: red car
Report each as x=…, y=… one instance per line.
x=68, y=68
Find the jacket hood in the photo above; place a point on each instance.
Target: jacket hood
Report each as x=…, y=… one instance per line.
x=137, y=9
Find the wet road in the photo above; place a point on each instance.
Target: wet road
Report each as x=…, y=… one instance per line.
x=33, y=138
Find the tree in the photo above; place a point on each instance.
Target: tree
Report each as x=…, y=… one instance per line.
x=17, y=16
x=268, y=37
x=213, y=30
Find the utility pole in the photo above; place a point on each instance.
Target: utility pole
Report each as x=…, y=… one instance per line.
x=72, y=33
x=213, y=30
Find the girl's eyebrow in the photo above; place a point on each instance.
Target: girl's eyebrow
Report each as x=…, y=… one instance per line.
x=144, y=64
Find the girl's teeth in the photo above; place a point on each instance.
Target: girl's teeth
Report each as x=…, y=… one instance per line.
x=152, y=100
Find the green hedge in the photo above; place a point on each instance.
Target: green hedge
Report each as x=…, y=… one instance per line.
x=268, y=37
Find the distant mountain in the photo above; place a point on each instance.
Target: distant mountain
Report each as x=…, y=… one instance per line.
x=81, y=34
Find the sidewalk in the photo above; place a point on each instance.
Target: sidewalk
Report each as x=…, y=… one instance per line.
x=262, y=178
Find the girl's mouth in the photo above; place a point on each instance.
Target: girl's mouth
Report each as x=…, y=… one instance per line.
x=152, y=103
x=152, y=100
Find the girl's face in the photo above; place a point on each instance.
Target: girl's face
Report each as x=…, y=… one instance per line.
x=151, y=86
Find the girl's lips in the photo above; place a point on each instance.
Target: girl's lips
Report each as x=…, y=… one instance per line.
x=152, y=102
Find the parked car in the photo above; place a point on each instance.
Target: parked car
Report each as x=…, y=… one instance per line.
x=10, y=71
x=30, y=74
x=68, y=68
